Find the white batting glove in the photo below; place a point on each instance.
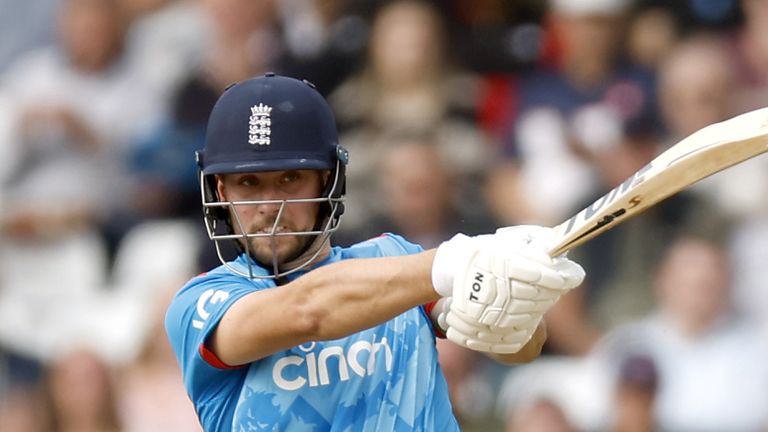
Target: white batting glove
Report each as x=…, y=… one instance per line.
x=502, y=285
x=480, y=337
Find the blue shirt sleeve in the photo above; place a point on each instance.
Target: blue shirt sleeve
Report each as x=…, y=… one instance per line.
x=405, y=246
x=387, y=244
x=191, y=318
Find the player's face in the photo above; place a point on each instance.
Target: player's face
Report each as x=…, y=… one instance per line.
x=260, y=218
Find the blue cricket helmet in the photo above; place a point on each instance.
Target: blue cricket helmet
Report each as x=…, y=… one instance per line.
x=271, y=123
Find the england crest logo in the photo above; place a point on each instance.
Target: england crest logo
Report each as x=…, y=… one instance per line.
x=259, y=125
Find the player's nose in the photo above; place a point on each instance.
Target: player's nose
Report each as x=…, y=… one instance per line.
x=270, y=207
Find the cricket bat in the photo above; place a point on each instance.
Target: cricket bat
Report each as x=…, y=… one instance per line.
x=703, y=153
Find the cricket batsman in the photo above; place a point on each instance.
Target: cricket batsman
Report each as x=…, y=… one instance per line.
x=294, y=334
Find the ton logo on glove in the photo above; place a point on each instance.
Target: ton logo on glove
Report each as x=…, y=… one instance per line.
x=476, y=287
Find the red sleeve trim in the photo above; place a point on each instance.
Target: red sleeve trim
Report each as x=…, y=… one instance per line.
x=428, y=309
x=213, y=360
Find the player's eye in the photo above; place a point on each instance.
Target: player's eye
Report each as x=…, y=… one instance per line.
x=290, y=177
x=248, y=181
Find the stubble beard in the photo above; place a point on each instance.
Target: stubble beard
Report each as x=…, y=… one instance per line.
x=285, y=248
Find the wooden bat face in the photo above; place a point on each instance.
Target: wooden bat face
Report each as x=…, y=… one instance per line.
x=703, y=153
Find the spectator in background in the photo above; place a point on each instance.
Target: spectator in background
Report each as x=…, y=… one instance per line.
x=558, y=393
x=696, y=85
x=323, y=40
x=419, y=195
x=699, y=86
x=540, y=415
x=154, y=258
x=70, y=115
x=22, y=394
x=712, y=364
x=750, y=48
x=495, y=36
x=749, y=51
x=621, y=261
x=653, y=30
x=244, y=41
x=635, y=395
x=76, y=106
x=152, y=397
x=408, y=82
x=696, y=89
x=82, y=394
x=582, y=67
x=407, y=86
x=73, y=112
x=165, y=40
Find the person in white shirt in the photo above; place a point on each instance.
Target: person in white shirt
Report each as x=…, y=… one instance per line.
x=712, y=364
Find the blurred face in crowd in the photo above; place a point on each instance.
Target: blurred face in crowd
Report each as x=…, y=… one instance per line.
x=416, y=187
x=589, y=42
x=406, y=42
x=238, y=19
x=260, y=218
x=91, y=32
x=695, y=85
x=652, y=33
x=756, y=14
x=81, y=390
x=692, y=285
x=585, y=35
x=540, y=416
x=635, y=395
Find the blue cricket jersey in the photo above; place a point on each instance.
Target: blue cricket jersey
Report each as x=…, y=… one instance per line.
x=385, y=378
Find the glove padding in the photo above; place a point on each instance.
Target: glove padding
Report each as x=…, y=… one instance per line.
x=480, y=337
x=502, y=285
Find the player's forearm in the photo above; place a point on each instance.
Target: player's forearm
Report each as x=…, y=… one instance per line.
x=327, y=303
x=354, y=295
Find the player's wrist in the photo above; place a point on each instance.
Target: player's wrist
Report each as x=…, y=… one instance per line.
x=451, y=255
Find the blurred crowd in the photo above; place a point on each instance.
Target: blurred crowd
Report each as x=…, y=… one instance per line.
x=460, y=116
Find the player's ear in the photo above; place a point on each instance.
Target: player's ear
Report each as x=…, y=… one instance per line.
x=220, y=189
x=324, y=177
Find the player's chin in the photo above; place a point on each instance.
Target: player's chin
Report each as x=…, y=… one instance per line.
x=284, y=248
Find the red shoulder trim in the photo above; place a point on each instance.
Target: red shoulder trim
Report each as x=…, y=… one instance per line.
x=213, y=360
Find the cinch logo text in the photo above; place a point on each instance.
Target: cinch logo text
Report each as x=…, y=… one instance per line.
x=296, y=371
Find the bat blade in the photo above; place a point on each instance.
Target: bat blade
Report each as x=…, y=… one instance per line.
x=703, y=153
